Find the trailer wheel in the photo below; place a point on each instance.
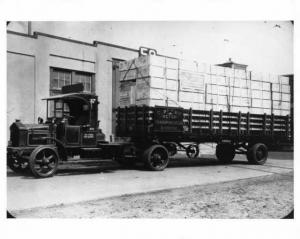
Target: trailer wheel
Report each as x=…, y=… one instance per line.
x=257, y=154
x=192, y=151
x=225, y=152
x=156, y=157
x=43, y=162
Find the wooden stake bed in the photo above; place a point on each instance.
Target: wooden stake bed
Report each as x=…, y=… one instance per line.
x=186, y=125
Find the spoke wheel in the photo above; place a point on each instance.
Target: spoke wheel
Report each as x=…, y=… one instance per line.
x=192, y=151
x=257, y=154
x=43, y=162
x=156, y=157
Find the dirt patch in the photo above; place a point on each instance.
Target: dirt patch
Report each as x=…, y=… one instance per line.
x=263, y=197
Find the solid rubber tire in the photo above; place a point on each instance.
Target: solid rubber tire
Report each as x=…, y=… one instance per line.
x=33, y=155
x=252, y=154
x=148, y=153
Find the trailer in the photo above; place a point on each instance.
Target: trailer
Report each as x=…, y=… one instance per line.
x=149, y=134
x=158, y=132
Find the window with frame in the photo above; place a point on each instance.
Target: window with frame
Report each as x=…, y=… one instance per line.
x=61, y=77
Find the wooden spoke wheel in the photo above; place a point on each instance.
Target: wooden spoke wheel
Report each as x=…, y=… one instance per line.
x=156, y=157
x=43, y=162
x=192, y=151
x=257, y=154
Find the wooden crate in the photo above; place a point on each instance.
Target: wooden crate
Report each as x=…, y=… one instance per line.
x=238, y=73
x=191, y=81
x=229, y=72
x=188, y=65
x=195, y=97
x=127, y=93
x=154, y=82
x=161, y=81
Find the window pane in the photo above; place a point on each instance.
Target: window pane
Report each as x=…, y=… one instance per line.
x=88, y=87
x=59, y=75
x=54, y=84
x=51, y=109
x=55, y=75
x=58, y=104
x=66, y=107
x=59, y=114
x=61, y=83
x=68, y=78
x=86, y=80
x=76, y=79
x=68, y=82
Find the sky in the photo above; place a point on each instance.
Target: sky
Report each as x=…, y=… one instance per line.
x=265, y=46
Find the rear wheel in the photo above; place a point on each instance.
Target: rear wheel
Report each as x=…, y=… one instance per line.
x=156, y=157
x=257, y=154
x=225, y=152
x=43, y=162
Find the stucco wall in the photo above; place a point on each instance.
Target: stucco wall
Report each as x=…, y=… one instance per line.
x=31, y=78
x=20, y=87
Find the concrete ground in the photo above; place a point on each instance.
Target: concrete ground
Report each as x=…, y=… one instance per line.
x=85, y=181
x=269, y=197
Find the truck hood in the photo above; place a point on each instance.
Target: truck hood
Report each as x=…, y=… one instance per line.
x=22, y=126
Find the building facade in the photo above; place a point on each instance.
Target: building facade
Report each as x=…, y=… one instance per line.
x=38, y=65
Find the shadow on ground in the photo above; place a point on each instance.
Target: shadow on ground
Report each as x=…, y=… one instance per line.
x=96, y=166
x=80, y=167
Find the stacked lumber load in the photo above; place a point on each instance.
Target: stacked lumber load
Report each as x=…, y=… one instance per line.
x=162, y=81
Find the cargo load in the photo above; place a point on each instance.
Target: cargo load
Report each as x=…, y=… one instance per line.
x=162, y=81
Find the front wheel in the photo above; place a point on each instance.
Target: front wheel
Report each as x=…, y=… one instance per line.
x=156, y=157
x=43, y=162
x=257, y=154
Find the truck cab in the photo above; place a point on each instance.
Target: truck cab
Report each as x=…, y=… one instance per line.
x=71, y=128
x=74, y=115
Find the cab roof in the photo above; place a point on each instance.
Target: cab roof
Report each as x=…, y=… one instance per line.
x=81, y=95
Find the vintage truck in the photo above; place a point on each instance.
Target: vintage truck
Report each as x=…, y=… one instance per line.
x=149, y=134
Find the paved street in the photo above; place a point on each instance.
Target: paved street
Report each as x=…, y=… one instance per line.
x=95, y=180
